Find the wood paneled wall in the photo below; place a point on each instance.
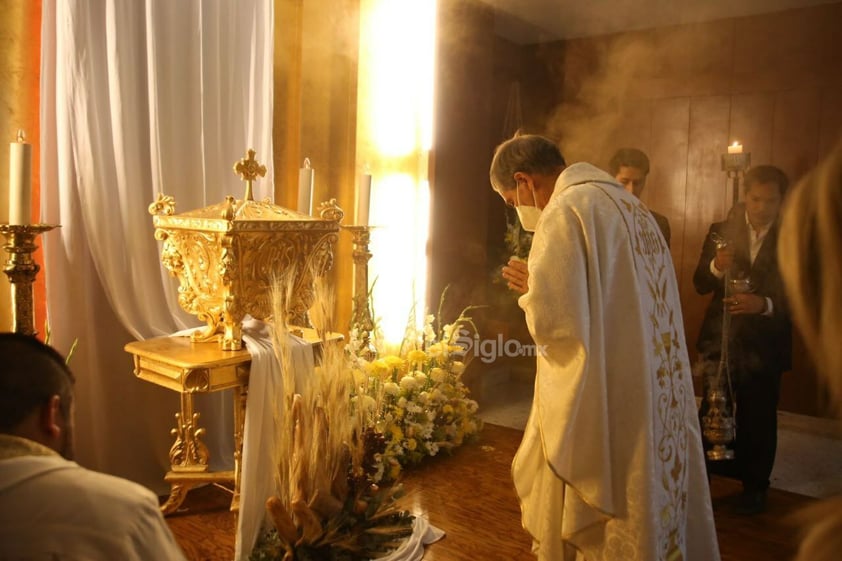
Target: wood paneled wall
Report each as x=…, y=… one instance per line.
x=681, y=93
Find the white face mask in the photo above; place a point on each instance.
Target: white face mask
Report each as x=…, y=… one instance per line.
x=528, y=215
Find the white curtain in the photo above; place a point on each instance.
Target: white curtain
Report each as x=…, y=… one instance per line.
x=139, y=97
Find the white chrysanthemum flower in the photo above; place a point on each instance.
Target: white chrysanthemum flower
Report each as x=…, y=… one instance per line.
x=368, y=403
x=437, y=375
x=408, y=383
x=391, y=388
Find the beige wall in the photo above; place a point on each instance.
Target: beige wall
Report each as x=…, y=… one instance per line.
x=316, y=53
x=20, y=52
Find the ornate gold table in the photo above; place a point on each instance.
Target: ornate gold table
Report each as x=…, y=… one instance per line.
x=186, y=367
x=189, y=367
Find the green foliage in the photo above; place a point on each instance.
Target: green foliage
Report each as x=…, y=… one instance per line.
x=48, y=335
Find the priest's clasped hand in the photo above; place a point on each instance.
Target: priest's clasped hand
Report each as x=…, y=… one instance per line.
x=745, y=304
x=516, y=275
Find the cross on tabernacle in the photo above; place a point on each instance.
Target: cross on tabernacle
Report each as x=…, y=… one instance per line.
x=248, y=169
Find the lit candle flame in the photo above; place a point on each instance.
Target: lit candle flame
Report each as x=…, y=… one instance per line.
x=21, y=136
x=735, y=148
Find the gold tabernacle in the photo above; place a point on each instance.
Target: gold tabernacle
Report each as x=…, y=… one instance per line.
x=225, y=256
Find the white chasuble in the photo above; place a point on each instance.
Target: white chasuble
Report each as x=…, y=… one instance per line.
x=611, y=465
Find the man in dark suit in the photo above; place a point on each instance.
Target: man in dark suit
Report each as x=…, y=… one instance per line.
x=760, y=333
x=630, y=167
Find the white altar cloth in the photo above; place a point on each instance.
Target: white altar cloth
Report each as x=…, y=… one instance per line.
x=423, y=533
x=257, y=472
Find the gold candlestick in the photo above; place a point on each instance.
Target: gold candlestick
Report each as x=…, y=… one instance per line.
x=735, y=166
x=361, y=319
x=21, y=270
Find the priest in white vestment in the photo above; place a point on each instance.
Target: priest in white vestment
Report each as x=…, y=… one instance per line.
x=611, y=465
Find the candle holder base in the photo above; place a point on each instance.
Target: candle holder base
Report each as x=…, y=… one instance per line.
x=736, y=162
x=22, y=270
x=361, y=319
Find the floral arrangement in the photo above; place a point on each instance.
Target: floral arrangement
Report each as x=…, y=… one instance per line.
x=346, y=433
x=415, y=397
x=327, y=506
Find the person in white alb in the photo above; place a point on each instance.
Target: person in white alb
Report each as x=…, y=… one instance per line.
x=52, y=509
x=610, y=467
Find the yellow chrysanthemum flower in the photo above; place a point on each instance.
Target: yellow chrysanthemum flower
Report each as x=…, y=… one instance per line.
x=378, y=368
x=397, y=433
x=416, y=357
x=395, y=362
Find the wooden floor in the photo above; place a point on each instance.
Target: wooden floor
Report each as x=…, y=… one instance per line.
x=470, y=496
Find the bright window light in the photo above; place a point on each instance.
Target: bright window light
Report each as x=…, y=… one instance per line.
x=394, y=124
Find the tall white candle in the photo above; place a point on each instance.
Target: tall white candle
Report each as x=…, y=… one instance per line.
x=305, y=188
x=363, y=199
x=20, y=181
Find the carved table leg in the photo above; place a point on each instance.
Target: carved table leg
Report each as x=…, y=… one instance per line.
x=188, y=454
x=178, y=491
x=240, y=395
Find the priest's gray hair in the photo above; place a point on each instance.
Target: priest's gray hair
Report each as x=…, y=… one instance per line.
x=527, y=153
